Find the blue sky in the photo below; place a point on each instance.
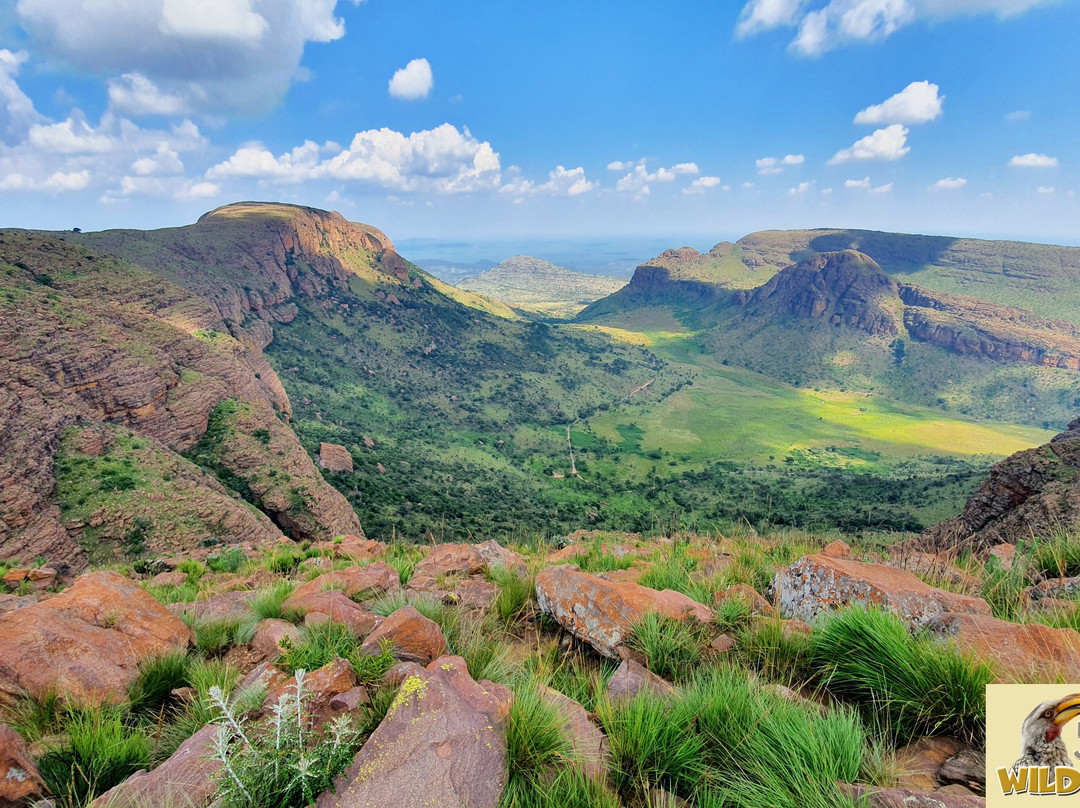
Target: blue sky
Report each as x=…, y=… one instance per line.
x=684, y=122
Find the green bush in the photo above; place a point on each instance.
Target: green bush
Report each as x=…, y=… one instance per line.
x=911, y=685
x=100, y=751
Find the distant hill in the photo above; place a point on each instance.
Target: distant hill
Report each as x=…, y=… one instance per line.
x=452, y=271
x=533, y=284
x=986, y=328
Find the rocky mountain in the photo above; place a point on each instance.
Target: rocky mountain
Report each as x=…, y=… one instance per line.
x=897, y=315
x=536, y=285
x=1034, y=493
x=109, y=372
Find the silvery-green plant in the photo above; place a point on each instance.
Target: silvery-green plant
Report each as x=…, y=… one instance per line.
x=285, y=761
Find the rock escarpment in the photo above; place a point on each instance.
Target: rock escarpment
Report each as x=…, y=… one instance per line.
x=1033, y=492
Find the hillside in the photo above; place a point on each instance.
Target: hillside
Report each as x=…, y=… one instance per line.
x=539, y=286
x=910, y=328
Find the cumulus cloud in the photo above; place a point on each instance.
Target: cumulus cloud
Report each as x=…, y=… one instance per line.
x=882, y=189
x=135, y=94
x=863, y=183
x=889, y=143
x=412, y=81
x=213, y=55
x=637, y=181
x=439, y=160
x=801, y=188
x=949, y=183
x=919, y=102
x=823, y=26
x=165, y=161
x=199, y=190
x=1032, y=160
x=619, y=165
x=699, y=185
x=1042, y=189
x=17, y=113
x=776, y=165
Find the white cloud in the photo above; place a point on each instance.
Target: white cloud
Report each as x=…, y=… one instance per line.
x=762, y=15
x=863, y=184
x=1018, y=115
x=17, y=113
x=828, y=25
x=699, y=185
x=949, y=183
x=566, y=182
x=199, y=190
x=59, y=181
x=748, y=185
x=882, y=189
x=1042, y=189
x=685, y=168
x=439, y=160
x=164, y=161
x=801, y=188
x=776, y=165
x=412, y=81
x=919, y=102
x=889, y=143
x=216, y=56
x=135, y=94
x=637, y=181
x=1033, y=160
x=619, y=165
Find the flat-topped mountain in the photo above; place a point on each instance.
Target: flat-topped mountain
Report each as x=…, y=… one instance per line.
x=534, y=284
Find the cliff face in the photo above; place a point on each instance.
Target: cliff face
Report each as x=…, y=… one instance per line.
x=1031, y=493
x=844, y=288
x=87, y=339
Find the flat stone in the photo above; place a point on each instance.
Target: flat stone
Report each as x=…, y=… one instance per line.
x=415, y=638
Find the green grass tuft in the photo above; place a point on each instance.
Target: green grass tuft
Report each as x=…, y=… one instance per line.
x=672, y=648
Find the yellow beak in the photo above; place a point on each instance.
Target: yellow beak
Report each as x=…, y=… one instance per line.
x=1067, y=709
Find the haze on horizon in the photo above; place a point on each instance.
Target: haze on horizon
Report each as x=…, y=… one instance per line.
x=689, y=123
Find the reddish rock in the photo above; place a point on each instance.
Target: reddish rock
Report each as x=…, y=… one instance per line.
x=415, y=638
x=632, y=679
x=355, y=547
x=966, y=768
x=748, y=595
x=568, y=553
x=476, y=593
x=86, y=642
x=20, y=783
x=321, y=686
x=1004, y=553
x=722, y=643
x=332, y=605
x=441, y=744
x=1029, y=652
x=587, y=739
x=920, y=762
x=374, y=578
x=350, y=700
x=602, y=613
x=837, y=549
x=269, y=634
x=11, y=603
x=169, y=579
x=225, y=606
x=934, y=566
x=187, y=778
x=466, y=559
x=817, y=584
x=333, y=457
x=14, y=577
x=263, y=675
x=400, y=672
x=903, y=798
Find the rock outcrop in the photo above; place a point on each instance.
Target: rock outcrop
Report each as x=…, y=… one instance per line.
x=414, y=638
x=603, y=613
x=20, y=782
x=87, y=642
x=1033, y=492
x=815, y=585
x=1022, y=652
x=441, y=743
x=334, y=457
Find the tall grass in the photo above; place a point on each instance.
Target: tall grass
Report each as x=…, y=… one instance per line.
x=578, y=676
x=536, y=745
x=516, y=593
x=597, y=559
x=910, y=684
x=672, y=648
x=158, y=677
x=777, y=654
x=266, y=605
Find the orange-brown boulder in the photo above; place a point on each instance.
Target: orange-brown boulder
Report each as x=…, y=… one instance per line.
x=466, y=559
x=603, y=613
x=333, y=457
x=269, y=635
x=415, y=638
x=631, y=679
x=87, y=642
x=588, y=741
x=817, y=584
x=837, y=549
x=333, y=606
x=186, y=778
x=20, y=782
x=320, y=686
x=352, y=581
x=1029, y=652
x=441, y=743
x=748, y=595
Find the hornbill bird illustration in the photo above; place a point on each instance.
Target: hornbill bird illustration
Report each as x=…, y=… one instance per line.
x=1041, y=734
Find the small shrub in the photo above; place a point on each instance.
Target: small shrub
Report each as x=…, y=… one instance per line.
x=226, y=561
x=100, y=751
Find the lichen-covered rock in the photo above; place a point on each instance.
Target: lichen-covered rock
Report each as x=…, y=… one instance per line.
x=187, y=778
x=87, y=642
x=603, y=613
x=20, y=782
x=333, y=457
x=817, y=584
x=440, y=744
x=1028, y=652
x=464, y=559
x=415, y=638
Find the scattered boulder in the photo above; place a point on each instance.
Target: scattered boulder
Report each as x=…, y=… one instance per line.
x=234, y=605
x=350, y=700
x=186, y=778
x=333, y=606
x=903, y=798
x=353, y=581
x=837, y=549
x=817, y=584
x=169, y=578
x=441, y=743
x=920, y=762
x=476, y=593
x=263, y=675
x=415, y=638
x=357, y=548
x=602, y=613
x=333, y=457
x=464, y=559
x=20, y=782
x=722, y=643
x=632, y=679
x=86, y=642
x=748, y=595
x=321, y=686
x=269, y=634
x=967, y=768
x=11, y=603
x=587, y=739
x=1064, y=588
x=1004, y=553
x=1029, y=652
